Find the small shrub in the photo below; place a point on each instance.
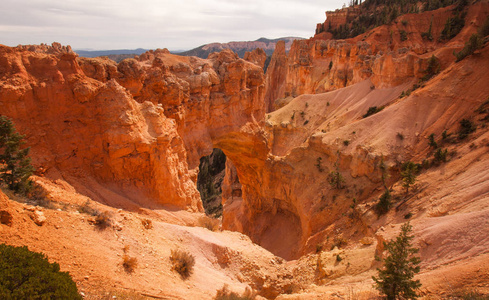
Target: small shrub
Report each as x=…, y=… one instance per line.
x=319, y=248
x=339, y=242
x=440, y=156
x=338, y=258
x=384, y=204
x=29, y=275
x=226, y=294
x=466, y=128
x=87, y=209
x=103, y=221
x=303, y=114
x=444, y=135
x=318, y=164
x=475, y=42
x=373, y=110
x=403, y=35
x=408, y=175
x=467, y=294
x=408, y=215
x=335, y=179
x=400, y=136
x=129, y=263
x=147, y=223
x=404, y=22
x=346, y=142
x=432, y=142
x=432, y=69
x=182, y=262
x=209, y=223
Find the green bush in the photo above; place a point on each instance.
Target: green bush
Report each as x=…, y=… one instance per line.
x=475, y=42
x=373, y=110
x=384, y=204
x=466, y=128
x=29, y=275
x=15, y=163
x=395, y=279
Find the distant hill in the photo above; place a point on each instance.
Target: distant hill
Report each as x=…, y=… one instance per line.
x=240, y=47
x=116, y=55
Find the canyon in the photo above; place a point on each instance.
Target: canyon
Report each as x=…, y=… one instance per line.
x=127, y=138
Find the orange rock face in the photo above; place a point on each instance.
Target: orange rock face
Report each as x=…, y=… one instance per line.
x=122, y=125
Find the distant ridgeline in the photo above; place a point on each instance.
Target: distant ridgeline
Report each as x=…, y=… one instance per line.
x=240, y=48
x=116, y=55
x=359, y=17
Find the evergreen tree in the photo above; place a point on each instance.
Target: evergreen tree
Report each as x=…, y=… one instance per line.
x=29, y=275
x=408, y=175
x=15, y=165
x=400, y=266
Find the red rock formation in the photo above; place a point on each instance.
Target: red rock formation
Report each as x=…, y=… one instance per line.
x=257, y=56
x=92, y=126
x=337, y=18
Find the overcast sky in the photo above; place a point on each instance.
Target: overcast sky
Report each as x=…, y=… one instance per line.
x=151, y=24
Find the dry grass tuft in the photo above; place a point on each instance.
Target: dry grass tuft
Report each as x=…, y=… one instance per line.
x=226, y=294
x=183, y=262
x=129, y=263
x=209, y=223
x=103, y=221
x=147, y=223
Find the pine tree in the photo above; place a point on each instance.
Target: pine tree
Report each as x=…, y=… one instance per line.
x=400, y=266
x=408, y=175
x=15, y=164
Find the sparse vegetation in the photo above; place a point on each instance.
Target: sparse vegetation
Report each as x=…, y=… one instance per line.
x=147, y=223
x=432, y=69
x=373, y=110
x=87, y=209
x=384, y=204
x=339, y=242
x=466, y=128
x=346, y=142
x=408, y=175
x=403, y=35
x=103, y=220
x=15, y=163
x=440, y=156
x=318, y=164
x=335, y=179
x=400, y=265
x=431, y=141
x=226, y=294
x=453, y=25
x=29, y=275
x=475, y=42
x=209, y=223
x=428, y=35
x=182, y=262
x=129, y=263
x=400, y=136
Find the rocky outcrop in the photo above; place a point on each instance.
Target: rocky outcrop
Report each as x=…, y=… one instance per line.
x=257, y=56
x=123, y=124
x=337, y=18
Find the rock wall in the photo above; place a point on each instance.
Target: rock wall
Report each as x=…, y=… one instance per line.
x=139, y=127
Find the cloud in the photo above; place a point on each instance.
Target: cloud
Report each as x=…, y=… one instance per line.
x=184, y=24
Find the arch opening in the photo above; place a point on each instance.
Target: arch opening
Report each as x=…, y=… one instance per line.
x=212, y=170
